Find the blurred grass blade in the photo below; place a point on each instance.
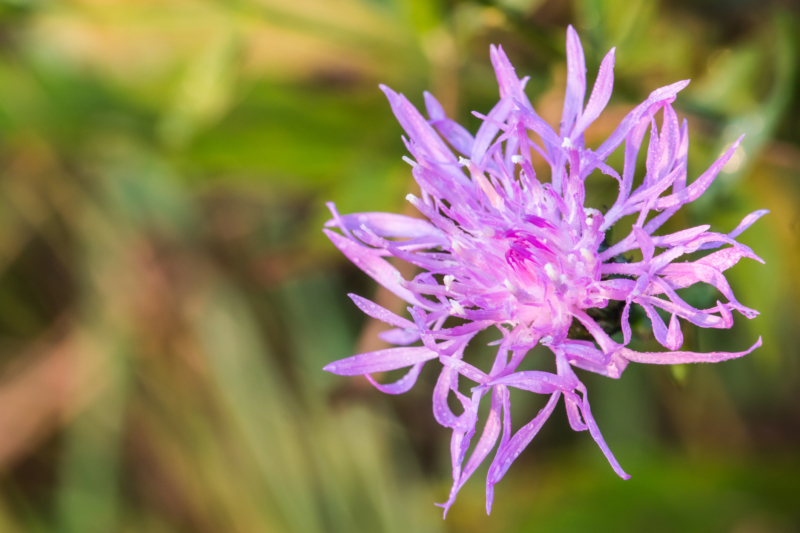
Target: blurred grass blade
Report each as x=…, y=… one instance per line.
x=260, y=404
x=89, y=494
x=206, y=90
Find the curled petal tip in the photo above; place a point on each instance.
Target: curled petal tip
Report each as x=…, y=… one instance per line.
x=678, y=86
x=445, y=506
x=354, y=297
x=390, y=94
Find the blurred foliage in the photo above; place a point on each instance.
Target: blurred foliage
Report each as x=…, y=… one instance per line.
x=167, y=300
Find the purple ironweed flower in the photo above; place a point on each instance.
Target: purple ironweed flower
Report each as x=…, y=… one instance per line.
x=503, y=249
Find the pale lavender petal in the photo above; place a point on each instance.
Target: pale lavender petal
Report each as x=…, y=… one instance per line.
x=682, y=156
x=534, y=122
x=676, y=358
x=509, y=452
x=633, y=144
x=643, y=199
x=602, y=338
x=598, y=437
x=489, y=128
x=723, y=259
x=573, y=402
x=646, y=193
x=377, y=268
x=433, y=107
x=485, y=445
x=417, y=127
x=625, y=323
x=441, y=410
x=584, y=350
x=533, y=381
x=458, y=136
x=698, y=186
x=401, y=337
x=669, y=141
x=376, y=311
x=680, y=275
x=683, y=310
x=462, y=437
x=504, y=440
x=381, y=361
x=645, y=243
x=601, y=92
x=465, y=369
x=489, y=437
x=674, y=335
x=659, y=328
x=389, y=225
x=400, y=386
x=679, y=237
x=656, y=99
x=576, y=82
x=743, y=225
x=747, y=222
x=613, y=369
x=509, y=83
x=654, y=150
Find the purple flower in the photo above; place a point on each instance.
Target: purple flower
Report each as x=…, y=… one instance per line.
x=502, y=249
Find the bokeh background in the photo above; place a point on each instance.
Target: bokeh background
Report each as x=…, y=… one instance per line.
x=167, y=299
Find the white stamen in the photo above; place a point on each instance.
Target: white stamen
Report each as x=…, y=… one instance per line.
x=448, y=282
x=551, y=272
x=567, y=143
x=457, y=309
x=562, y=279
x=517, y=159
x=463, y=161
x=586, y=254
x=409, y=161
x=508, y=285
x=546, y=340
x=488, y=232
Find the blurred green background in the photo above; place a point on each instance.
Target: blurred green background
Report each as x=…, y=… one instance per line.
x=167, y=299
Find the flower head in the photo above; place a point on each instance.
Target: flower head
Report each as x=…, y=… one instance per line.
x=503, y=250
